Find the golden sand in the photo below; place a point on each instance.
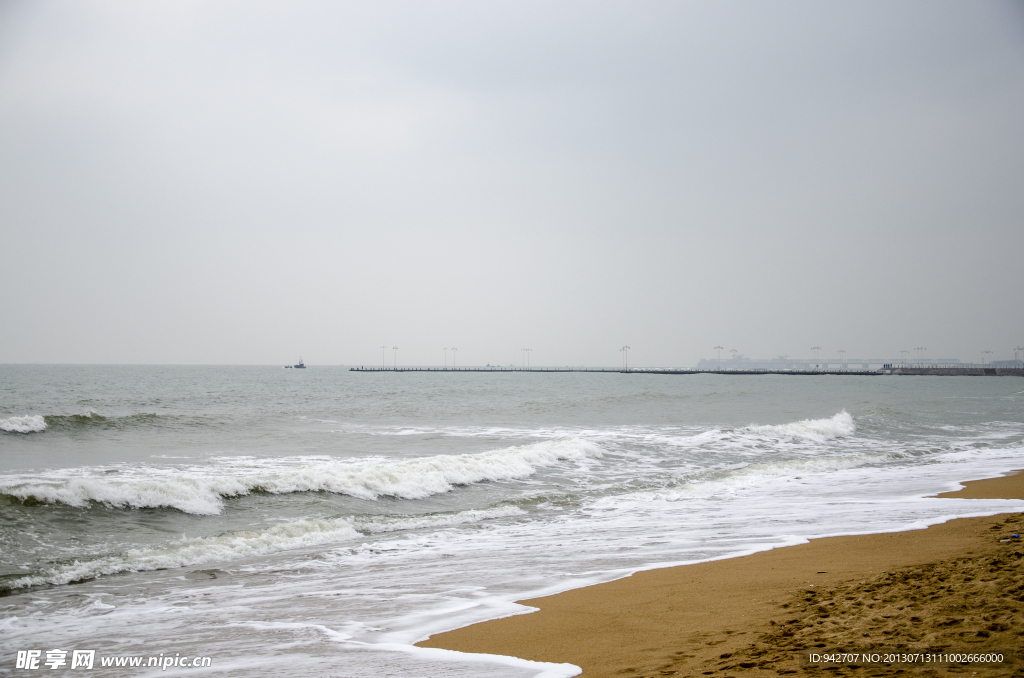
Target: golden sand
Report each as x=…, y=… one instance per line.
x=957, y=585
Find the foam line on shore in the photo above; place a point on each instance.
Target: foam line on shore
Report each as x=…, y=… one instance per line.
x=725, y=596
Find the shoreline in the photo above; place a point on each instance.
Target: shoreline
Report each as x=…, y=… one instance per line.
x=704, y=618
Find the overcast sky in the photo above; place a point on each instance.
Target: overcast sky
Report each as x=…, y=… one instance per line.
x=248, y=182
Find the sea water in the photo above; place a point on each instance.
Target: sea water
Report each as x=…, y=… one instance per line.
x=319, y=522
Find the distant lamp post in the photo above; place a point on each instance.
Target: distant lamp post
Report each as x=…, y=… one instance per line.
x=383, y=360
x=816, y=349
x=1015, y=358
x=395, y=349
x=903, y=350
x=445, y=349
x=625, y=357
x=453, y=356
x=734, y=352
x=719, y=349
x=984, y=354
x=920, y=354
x=842, y=359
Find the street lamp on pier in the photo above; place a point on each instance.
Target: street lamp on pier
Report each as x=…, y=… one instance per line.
x=816, y=349
x=625, y=357
x=383, y=360
x=719, y=349
x=395, y=349
x=453, y=356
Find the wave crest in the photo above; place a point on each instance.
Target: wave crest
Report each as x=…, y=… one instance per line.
x=30, y=423
x=92, y=419
x=818, y=430
x=36, y=423
x=202, y=490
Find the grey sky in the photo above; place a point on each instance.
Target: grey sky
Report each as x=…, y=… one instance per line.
x=244, y=182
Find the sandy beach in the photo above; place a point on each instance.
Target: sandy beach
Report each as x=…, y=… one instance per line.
x=958, y=585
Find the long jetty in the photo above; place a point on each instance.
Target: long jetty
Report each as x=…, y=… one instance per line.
x=906, y=371
x=641, y=370
x=609, y=370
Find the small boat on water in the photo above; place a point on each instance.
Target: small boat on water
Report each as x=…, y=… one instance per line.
x=300, y=366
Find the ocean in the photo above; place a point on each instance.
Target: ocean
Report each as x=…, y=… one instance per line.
x=319, y=522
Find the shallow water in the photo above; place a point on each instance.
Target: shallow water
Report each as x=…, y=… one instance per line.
x=319, y=521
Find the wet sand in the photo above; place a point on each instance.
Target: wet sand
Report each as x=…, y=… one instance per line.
x=957, y=585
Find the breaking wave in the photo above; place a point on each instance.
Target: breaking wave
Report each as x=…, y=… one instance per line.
x=242, y=544
x=31, y=423
x=729, y=482
x=91, y=419
x=202, y=490
x=37, y=423
x=817, y=430
x=807, y=434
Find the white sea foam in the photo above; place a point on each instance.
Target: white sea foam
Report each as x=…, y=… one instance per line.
x=378, y=524
x=247, y=543
x=754, y=477
x=807, y=434
x=816, y=430
x=139, y=487
x=201, y=490
x=200, y=551
x=31, y=423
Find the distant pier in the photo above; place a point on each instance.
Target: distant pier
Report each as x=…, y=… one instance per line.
x=906, y=371
x=488, y=369
x=633, y=370
x=960, y=371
